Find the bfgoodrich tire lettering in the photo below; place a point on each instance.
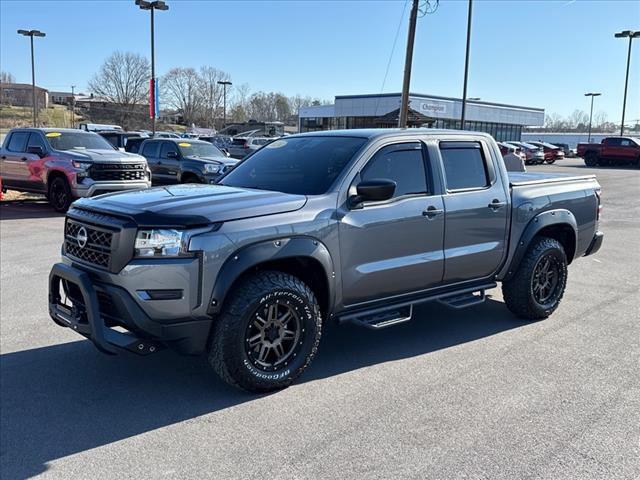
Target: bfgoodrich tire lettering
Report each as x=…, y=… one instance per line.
x=537, y=287
x=267, y=334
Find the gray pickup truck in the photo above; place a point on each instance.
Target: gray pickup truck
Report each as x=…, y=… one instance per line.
x=354, y=226
x=65, y=164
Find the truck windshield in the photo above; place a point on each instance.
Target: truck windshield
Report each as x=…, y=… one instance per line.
x=192, y=149
x=299, y=165
x=77, y=140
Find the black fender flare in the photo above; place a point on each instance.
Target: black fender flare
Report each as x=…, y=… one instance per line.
x=546, y=219
x=266, y=251
x=188, y=170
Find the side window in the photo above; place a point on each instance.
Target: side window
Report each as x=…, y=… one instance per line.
x=18, y=142
x=625, y=143
x=612, y=142
x=166, y=148
x=35, y=140
x=404, y=164
x=112, y=139
x=151, y=149
x=464, y=165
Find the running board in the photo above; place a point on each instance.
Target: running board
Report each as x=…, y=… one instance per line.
x=382, y=319
x=465, y=300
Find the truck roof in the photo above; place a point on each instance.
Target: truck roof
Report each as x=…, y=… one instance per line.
x=371, y=133
x=50, y=129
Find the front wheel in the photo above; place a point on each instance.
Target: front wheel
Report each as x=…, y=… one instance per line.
x=537, y=287
x=591, y=159
x=551, y=160
x=267, y=334
x=59, y=194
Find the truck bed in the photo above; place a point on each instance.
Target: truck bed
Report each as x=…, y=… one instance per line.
x=517, y=179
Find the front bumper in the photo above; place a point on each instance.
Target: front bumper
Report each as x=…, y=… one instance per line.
x=89, y=190
x=595, y=244
x=109, y=317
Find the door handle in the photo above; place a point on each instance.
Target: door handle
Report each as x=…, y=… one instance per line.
x=3, y=157
x=496, y=204
x=24, y=159
x=432, y=211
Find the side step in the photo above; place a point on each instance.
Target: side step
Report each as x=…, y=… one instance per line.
x=465, y=300
x=382, y=319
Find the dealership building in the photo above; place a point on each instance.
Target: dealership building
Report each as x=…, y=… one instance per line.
x=503, y=122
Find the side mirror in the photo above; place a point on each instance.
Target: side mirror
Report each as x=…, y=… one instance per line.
x=375, y=190
x=226, y=152
x=36, y=150
x=172, y=154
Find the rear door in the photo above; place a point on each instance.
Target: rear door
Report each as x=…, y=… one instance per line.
x=15, y=171
x=393, y=247
x=476, y=209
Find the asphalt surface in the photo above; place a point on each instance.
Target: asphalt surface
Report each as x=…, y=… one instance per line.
x=474, y=393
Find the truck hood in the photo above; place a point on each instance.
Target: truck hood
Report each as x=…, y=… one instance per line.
x=102, y=156
x=226, y=161
x=191, y=205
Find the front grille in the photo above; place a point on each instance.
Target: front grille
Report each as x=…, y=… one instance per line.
x=96, y=250
x=117, y=171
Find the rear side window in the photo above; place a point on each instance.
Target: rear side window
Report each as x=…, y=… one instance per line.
x=18, y=142
x=404, y=164
x=464, y=165
x=150, y=149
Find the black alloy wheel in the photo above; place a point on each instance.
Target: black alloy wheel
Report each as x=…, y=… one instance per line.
x=545, y=279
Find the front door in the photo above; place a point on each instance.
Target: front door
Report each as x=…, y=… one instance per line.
x=477, y=211
x=169, y=164
x=396, y=246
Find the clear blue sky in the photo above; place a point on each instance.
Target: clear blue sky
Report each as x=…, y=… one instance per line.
x=534, y=53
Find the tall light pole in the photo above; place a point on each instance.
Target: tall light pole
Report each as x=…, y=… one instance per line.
x=152, y=7
x=466, y=67
x=404, y=100
x=624, y=34
x=73, y=106
x=591, y=94
x=31, y=34
x=224, y=84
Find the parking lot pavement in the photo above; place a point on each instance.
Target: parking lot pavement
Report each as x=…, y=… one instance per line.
x=473, y=393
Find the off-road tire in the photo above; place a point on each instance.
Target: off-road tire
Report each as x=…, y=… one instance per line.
x=59, y=194
x=518, y=290
x=228, y=354
x=591, y=159
x=550, y=161
x=189, y=178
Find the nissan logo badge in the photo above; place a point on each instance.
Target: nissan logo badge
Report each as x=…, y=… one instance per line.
x=82, y=237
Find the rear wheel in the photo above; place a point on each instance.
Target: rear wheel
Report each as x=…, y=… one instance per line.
x=59, y=194
x=537, y=287
x=551, y=160
x=267, y=334
x=591, y=159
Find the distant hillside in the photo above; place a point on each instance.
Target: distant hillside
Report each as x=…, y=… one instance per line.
x=54, y=116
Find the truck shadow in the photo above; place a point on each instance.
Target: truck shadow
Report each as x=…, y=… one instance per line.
x=27, y=209
x=65, y=399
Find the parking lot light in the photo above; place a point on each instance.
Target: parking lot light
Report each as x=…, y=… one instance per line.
x=31, y=34
x=631, y=35
x=591, y=94
x=224, y=84
x=152, y=6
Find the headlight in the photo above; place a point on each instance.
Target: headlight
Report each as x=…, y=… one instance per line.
x=211, y=168
x=160, y=243
x=81, y=165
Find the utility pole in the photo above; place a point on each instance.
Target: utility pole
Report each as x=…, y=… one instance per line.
x=631, y=35
x=591, y=94
x=73, y=107
x=404, y=102
x=466, y=68
x=224, y=84
x=31, y=34
x=152, y=7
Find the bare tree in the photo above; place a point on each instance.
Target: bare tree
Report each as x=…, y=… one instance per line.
x=239, y=111
x=123, y=79
x=7, y=77
x=211, y=94
x=578, y=119
x=181, y=90
x=600, y=120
